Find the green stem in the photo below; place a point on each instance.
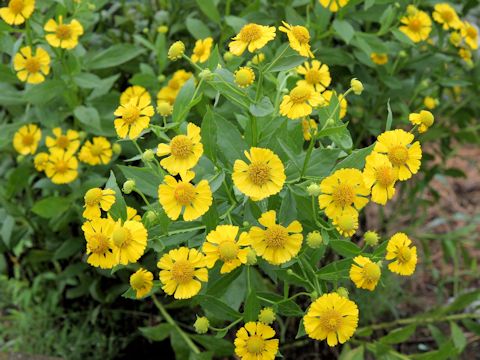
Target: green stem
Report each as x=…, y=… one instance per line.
x=308, y=155
x=254, y=131
x=259, y=85
x=276, y=59
x=227, y=327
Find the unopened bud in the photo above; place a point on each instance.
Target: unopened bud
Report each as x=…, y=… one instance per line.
x=148, y=155
x=117, y=149
x=128, y=186
x=266, y=316
x=314, y=239
x=201, y=325
x=251, y=257
x=357, y=86
x=343, y=292
x=371, y=238
x=313, y=189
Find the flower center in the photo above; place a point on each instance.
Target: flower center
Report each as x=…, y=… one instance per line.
x=404, y=254
x=385, y=176
x=300, y=94
x=301, y=34
x=276, y=236
x=27, y=139
x=343, y=195
x=371, y=272
x=93, y=196
x=259, y=173
x=250, y=32
x=243, y=77
x=98, y=244
x=32, y=65
x=330, y=320
x=415, y=25
x=182, y=271
x=16, y=6
x=121, y=237
x=181, y=147
x=228, y=250
x=63, y=32
x=138, y=282
x=184, y=193
x=313, y=77
x=346, y=223
x=63, y=142
x=131, y=114
x=255, y=344
x=96, y=149
x=447, y=15
x=398, y=155
x=61, y=166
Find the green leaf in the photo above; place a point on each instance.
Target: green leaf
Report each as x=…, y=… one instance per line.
x=398, y=336
x=356, y=159
x=286, y=63
x=263, y=108
x=119, y=208
x=344, y=30
x=221, y=347
x=217, y=308
x=183, y=102
x=288, y=209
x=45, y=92
x=252, y=307
x=322, y=161
x=289, y=308
x=345, y=248
x=197, y=28
x=209, y=9
x=209, y=135
x=335, y=271
x=51, y=206
x=230, y=144
x=458, y=337
x=68, y=248
x=113, y=56
x=89, y=117
x=462, y=301
x=146, y=179
x=158, y=332
x=388, y=126
x=352, y=354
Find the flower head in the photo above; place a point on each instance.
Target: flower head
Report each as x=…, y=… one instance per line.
x=331, y=317
x=40, y=161
x=177, y=196
x=299, y=102
x=275, y=243
x=333, y=5
x=316, y=74
x=134, y=92
x=32, y=67
x=182, y=271
x=17, y=11
x=96, y=152
x=314, y=239
x=266, y=316
x=164, y=108
x=133, y=117
x=98, y=234
x=254, y=341
x=371, y=238
x=470, y=34
x=430, y=102
x=365, y=273
x=356, y=86
x=346, y=224
x=202, y=49
x=424, y=119
x=244, y=76
x=129, y=241
x=26, y=139
x=62, y=167
x=379, y=58
x=416, y=26
x=251, y=37
x=298, y=37
x=176, y=50
x=380, y=176
x=69, y=141
x=63, y=35
x=398, y=249
x=201, y=325
x=446, y=15
x=142, y=282
x=96, y=199
x=263, y=177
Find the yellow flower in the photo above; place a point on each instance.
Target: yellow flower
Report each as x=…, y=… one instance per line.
x=403, y=156
x=416, y=26
x=162, y=29
x=380, y=176
x=445, y=14
x=327, y=97
x=331, y=317
x=96, y=199
x=470, y=34
x=134, y=92
x=257, y=59
x=356, y=86
x=142, y=282
x=176, y=50
x=371, y=238
x=263, y=177
x=129, y=241
x=309, y=127
x=346, y=224
x=430, y=102
x=266, y=316
x=95, y=152
x=244, y=76
x=316, y=74
x=333, y=5
x=466, y=55
x=17, y=11
x=343, y=193
x=164, y=108
x=379, y=59
x=424, y=119
x=169, y=93
x=68, y=142
x=254, y=342
x=314, y=239
x=182, y=271
x=184, y=151
x=202, y=49
x=32, y=68
x=62, y=167
x=455, y=38
x=221, y=244
x=298, y=37
x=201, y=325
x=175, y=196
x=299, y=102
x=63, y=35
x=398, y=249
x=40, y=161
x=365, y=273
x=133, y=117
x=26, y=139
x=98, y=234
x=251, y=36
x=276, y=244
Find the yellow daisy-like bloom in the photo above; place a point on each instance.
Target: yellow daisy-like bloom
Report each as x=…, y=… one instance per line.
x=327, y=96
x=309, y=127
x=40, y=161
x=221, y=244
x=446, y=15
x=26, y=139
x=62, y=35
x=380, y=176
x=95, y=152
x=32, y=67
x=202, y=50
x=299, y=102
x=298, y=37
x=70, y=141
x=466, y=55
x=430, y=102
x=169, y=93
x=331, y=317
x=333, y=5
x=176, y=50
x=364, y=273
x=403, y=156
x=98, y=234
x=251, y=37
x=184, y=151
x=398, y=249
x=244, y=76
x=142, y=282
x=175, y=196
x=134, y=92
x=346, y=224
x=17, y=11
x=96, y=199
x=62, y=167
x=182, y=271
x=379, y=59
x=470, y=34
x=343, y=193
x=276, y=244
x=133, y=117
x=263, y=177
x=254, y=342
x=316, y=74
x=416, y=26
x=129, y=241
x=424, y=119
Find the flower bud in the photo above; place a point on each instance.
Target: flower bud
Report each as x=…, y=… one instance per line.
x=357, y=86
x=161, y=78
x=201, y=325
x=145, y=30
x=176, y=51
x=128, y=186
x=117, y=149
x=343, y=292
x=251, y=257
x=313, y=189
x=402, y=53
x=330, y=122
x=266, y=316
x=150, y=216
x=228, y=56
x=371, y=238
x=162, y=29
x=314, y=295
x=245, y=224
x=20, y=158
x=82, y=135
x=164, y=108
x=314, y=239
x=205, y=74
x=148, y=155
